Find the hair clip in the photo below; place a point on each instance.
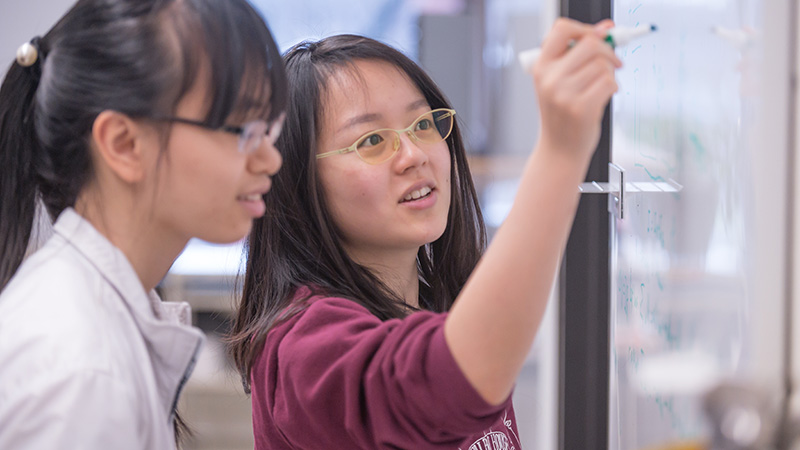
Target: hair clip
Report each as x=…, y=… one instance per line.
x=27, y=54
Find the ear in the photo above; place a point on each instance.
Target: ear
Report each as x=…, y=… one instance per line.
x=121, y=144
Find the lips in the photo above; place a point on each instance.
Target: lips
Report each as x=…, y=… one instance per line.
x=250, y=197
x=254, y=195
x=417, y=194
x=253, y=202
x=419, y=190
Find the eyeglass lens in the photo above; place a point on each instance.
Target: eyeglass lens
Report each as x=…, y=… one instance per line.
x=430, y=128
x=254, y=132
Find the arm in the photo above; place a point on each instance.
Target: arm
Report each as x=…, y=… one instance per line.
x=391, y=384
x=493, y=323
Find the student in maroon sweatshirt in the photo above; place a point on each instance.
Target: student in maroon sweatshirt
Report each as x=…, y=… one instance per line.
x=371, y=317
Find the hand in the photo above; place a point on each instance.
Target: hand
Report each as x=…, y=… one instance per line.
x=573, y=84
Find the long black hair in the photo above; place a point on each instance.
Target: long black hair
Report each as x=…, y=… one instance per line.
x=297, y=244
x=136, y=57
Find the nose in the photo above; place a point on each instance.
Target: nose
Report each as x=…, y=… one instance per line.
x=266, y=159
x=409, y=153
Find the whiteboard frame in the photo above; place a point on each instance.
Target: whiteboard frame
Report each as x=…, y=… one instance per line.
x=773, y=179
x=793, y=301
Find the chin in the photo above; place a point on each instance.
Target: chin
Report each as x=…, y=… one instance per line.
x=227, y=236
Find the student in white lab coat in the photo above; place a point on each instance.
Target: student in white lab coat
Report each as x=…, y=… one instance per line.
x=137, y=124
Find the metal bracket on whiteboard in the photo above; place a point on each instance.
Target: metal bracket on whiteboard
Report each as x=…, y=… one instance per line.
x=617, y=189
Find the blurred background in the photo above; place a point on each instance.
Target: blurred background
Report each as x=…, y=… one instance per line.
x=469, y=47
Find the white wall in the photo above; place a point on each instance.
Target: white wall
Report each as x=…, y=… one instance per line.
x=21, y=20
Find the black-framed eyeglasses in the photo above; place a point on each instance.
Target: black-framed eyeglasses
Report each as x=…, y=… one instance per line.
x=251, y=134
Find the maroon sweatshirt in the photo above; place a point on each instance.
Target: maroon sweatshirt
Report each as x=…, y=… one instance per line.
x=336, y=377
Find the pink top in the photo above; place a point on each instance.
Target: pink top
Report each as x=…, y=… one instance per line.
x=336, y=377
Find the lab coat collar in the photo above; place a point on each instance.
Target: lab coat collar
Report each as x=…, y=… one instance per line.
x=173, y=345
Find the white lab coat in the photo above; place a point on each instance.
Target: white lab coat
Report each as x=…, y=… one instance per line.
x=88, y=359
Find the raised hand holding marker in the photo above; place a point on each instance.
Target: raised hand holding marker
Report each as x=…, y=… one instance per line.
x=616, y=37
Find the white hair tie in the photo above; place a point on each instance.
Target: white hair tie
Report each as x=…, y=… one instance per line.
x=27, y=54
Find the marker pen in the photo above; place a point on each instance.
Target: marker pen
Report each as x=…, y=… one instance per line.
x=616, y=37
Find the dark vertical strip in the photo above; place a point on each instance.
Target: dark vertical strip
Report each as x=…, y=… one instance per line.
x=585, y=295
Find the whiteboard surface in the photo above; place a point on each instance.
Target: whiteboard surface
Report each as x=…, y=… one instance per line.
x=687, y=309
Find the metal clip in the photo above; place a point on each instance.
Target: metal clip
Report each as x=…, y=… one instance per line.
x=617, y=189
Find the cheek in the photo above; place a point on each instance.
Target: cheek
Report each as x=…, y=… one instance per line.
x=351, y=194
x=199, y=181
x=445, y=184
x=347, y=189
x=442, y=161
x=198, y=174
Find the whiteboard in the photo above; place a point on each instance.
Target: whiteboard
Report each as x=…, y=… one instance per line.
x=691, y=266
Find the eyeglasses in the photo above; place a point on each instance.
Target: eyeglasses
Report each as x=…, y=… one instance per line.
x=251, y=134
x=381, y=145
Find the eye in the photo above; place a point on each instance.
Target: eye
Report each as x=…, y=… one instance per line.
x=371, y=141
x=424, y=125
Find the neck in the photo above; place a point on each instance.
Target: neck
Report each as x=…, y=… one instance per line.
x=127, y=225
x=397, y=269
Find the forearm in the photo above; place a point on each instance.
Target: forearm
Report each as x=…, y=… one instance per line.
x=493, y=322
x=492, y=325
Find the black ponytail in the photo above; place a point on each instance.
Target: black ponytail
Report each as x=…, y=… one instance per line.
x=19, y=149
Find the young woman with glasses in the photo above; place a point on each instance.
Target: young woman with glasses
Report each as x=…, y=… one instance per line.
x=136, y=125
x=371, y=317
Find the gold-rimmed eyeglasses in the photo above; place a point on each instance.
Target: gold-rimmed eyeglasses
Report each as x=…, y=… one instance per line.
x=379, y=146
x=251, y=134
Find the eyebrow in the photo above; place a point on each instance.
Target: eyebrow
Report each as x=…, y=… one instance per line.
x=372, y=117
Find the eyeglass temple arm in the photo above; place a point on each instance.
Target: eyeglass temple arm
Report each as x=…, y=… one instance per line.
x=335, y=152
